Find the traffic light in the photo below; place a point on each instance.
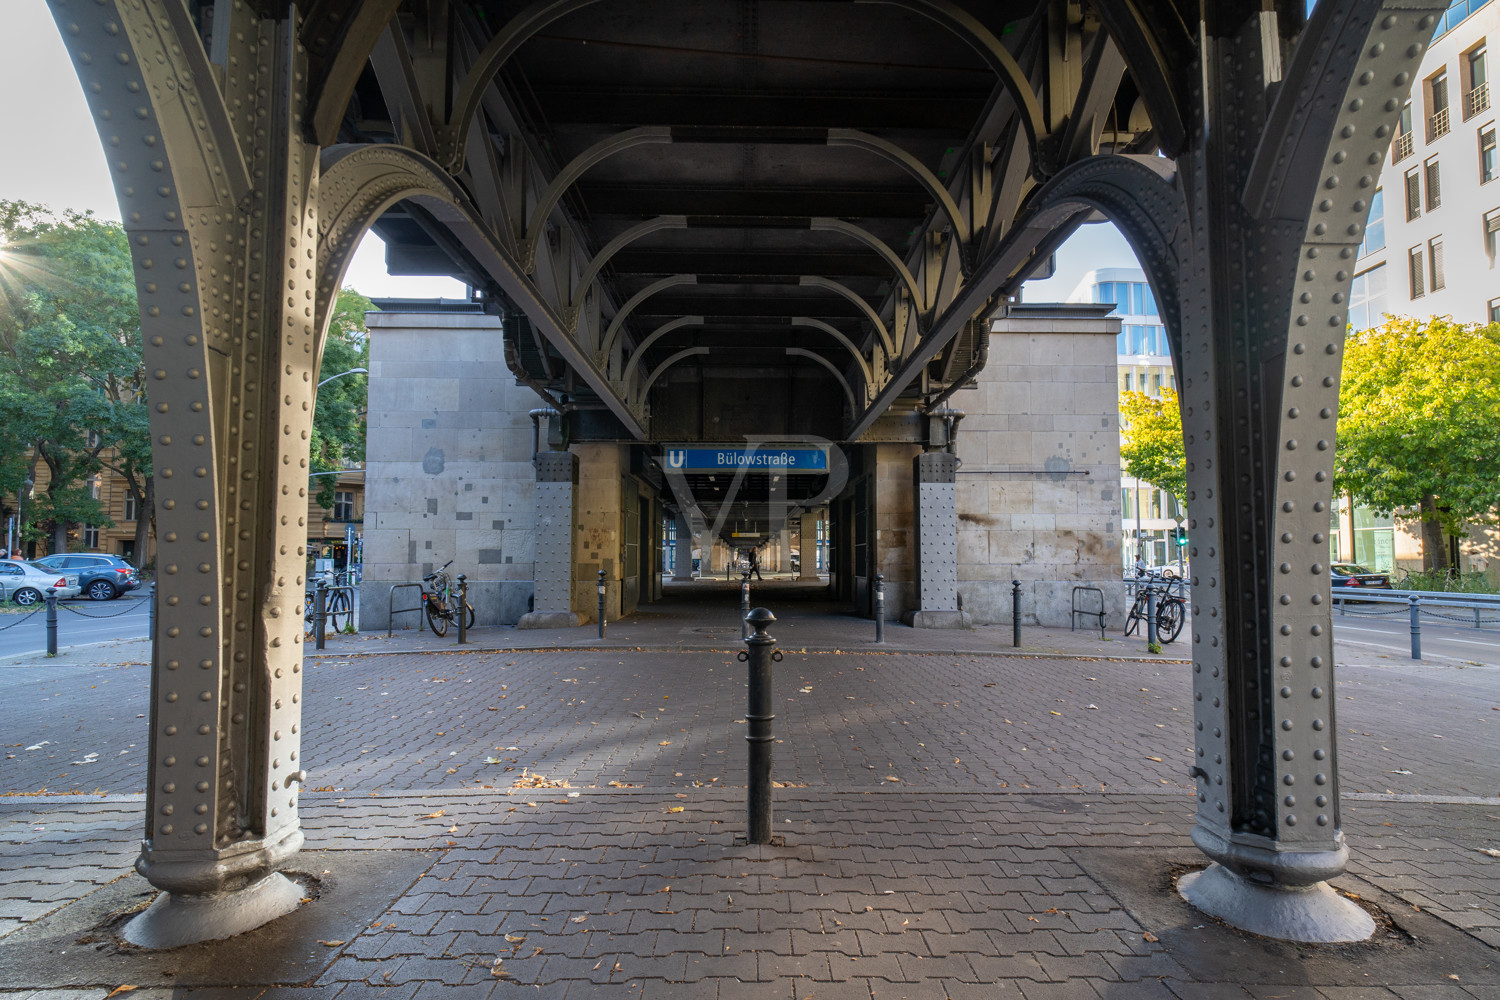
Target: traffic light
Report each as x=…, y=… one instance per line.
x=1181, y=535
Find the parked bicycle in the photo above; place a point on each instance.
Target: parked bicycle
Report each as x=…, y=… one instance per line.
x=338, y=610
x=1171, y=607
x=440, y=600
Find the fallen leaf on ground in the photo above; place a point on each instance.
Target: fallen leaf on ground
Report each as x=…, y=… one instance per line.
x=1490, y=851
x=580, y=918
x=1054, y=713
x=1157, y=759
x=120, y=989
x=514, y=938
x=1148, y=936
x=665, y=743
x=674, y=809
x=329, y=944
x=891, y=777
x=437, y=815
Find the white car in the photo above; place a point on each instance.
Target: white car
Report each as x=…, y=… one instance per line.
x=26, y=583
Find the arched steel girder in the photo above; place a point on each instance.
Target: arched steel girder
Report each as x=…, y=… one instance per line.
x=635, y=232
x=832, y=369
x=339, y=36
x=579, y=165
x=653, y=337
x=874, y=242
x=607, y=342
x=856, y=139
x=1161, y=52
x=836, y=334
x=660, y=369
x=1004, y=65
x=815, y=281
x=505, y=43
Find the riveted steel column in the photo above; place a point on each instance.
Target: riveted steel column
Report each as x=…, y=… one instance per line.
x=226, y=275
x=1277, y=184
x=936, y=488
x=682, y=568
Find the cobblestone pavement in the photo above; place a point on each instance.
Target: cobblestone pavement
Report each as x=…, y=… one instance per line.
x=945, y=818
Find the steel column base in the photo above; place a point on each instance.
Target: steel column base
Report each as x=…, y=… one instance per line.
x=172, y=921
x=938, y=619
x=550, y=619
x=1311, y=913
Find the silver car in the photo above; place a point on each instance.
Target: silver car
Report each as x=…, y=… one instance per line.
x=26, y=583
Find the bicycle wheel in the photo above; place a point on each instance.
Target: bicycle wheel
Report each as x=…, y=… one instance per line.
x=470, y=608
x=1137, y=613
x=437, y=617
x=1169, y=619
x=306, y=611
x=339, y=614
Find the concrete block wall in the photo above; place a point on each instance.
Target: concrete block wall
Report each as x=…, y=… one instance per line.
x=448, y=465
x=1038, y=491
x=598, y=534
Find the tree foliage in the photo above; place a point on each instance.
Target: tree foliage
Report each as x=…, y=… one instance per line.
x=1151, y=444
x=1419, y=423
x=72, y=386
x=338, y=435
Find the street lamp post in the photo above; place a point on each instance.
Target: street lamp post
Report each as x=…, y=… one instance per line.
x=352, y=371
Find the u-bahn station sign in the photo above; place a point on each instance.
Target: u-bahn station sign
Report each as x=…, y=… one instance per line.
x=733, y=457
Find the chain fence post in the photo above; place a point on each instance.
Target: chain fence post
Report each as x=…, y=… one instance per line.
x=601, y=604
x=1015, y=613
x=463, y=609
x=320, y=613
x=1416, y=626
x=880, y=607
x=760, y=648
x=51, y=621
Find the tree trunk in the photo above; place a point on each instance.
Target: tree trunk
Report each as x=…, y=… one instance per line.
x=1434, y=540
x=145, y=520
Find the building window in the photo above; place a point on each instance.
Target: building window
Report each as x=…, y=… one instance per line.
x=1401, y=148
x=1487, y=155
x=1435, y=264
x=93, y=439
x=343, y=506
x=1374, y=225
x=90, y=536
x=96, y=486
x=130, y=510
x=1367, y=299
x=1493, y=309
x=1437, y=106
x=1417, y=272
x=1434, y=184
x=1492, y=235
x=1477, y=89
x=1413, y=194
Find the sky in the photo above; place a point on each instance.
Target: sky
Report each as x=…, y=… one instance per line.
x=53, y=157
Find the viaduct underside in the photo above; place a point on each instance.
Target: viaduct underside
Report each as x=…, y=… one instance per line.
x=839, y=193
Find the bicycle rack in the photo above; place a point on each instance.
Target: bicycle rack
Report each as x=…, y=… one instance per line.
x=392, y=611
x=1085, y=612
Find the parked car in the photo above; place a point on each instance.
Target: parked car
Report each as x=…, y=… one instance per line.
x=1352, y=575
x=102, y=577
x=26, y=583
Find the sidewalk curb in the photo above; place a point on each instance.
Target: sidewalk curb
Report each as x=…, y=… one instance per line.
x=809, y=650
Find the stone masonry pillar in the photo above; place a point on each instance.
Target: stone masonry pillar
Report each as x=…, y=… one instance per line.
x=684, y=556
x=556, y=511
x=808, y=547
x=936, y=474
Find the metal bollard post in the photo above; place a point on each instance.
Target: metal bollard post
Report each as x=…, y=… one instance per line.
x=463, y=609
x=151, y=613
x=1015, y=613
x=880, y=607
x=1416, y=626
x=320, y=613
x=51, y=621
x=744, y=605
x=1151, y=636
x=759, y=652
x=601, y=604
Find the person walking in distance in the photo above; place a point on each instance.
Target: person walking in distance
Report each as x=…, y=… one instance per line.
x=755, y=563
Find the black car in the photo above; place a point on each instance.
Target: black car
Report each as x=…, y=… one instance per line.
x=1350, y=575
x=102, y=577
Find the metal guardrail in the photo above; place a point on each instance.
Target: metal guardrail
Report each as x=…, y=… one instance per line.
x=392, y=611
x=1477, y=100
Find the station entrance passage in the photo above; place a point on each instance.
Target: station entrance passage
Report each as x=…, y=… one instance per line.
x=884, y=175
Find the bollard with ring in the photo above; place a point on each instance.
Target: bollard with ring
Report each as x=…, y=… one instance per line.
x=1416, y=626
x=320, y=612
x=601, y=604
x=759, y=652
x=1152, y=638
x=51, y=621
x=1015, y=613
x=880, y=607
x=463, y=609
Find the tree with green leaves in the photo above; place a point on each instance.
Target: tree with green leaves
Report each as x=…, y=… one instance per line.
x=1419, y=426
x=338, y=435
x=72, y=384
x=1151, y=445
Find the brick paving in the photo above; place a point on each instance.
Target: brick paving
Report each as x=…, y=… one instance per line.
x=962, y=878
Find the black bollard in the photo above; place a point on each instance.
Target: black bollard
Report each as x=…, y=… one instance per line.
x=601, y=604
x=463, y=609
x=880, y=607
x=320, y=613
x=51, y=621
x=1015, y=613
x=760, y=648
x=1151, y=636
x=744, y=605
x=1416, y=626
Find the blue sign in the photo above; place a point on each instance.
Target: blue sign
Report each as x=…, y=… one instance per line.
x=764, y=458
